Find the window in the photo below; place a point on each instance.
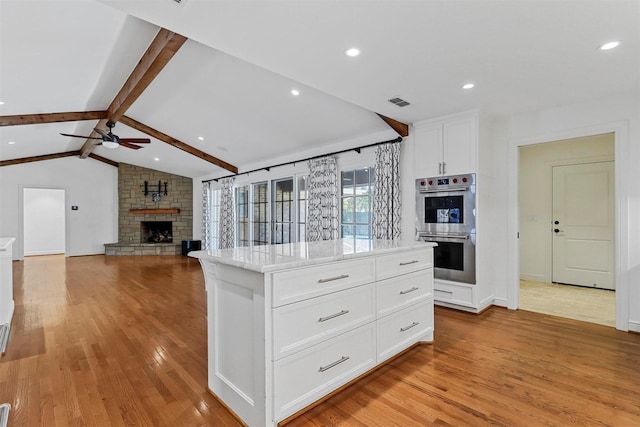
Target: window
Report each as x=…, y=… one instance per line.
x=270, y=212
x=357, y=203
x=283, y=207
x=259, y=207
x=302, y=209
x=242, y=216
x=214, y=223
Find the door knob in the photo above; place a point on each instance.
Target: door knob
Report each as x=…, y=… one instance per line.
x=557, y=230
x=556, y=222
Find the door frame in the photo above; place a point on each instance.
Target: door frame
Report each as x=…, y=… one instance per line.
x=67, y=207
x=621, y=142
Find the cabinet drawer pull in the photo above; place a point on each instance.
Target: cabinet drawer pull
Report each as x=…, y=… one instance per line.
x=408, y=290
x=342, y=276
x=324, y=319
x=406, y=328
x=409, y=262
x=444, y=292
x=331, y=365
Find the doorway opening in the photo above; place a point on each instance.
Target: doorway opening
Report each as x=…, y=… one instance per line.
x=567, y=228
x=44, y=221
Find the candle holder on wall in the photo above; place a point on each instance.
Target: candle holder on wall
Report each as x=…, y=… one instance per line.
x=156, y=193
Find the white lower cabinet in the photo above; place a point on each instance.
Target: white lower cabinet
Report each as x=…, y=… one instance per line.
x=281, y=340
x=304, y=377
x=458, y=294
x=403, y=329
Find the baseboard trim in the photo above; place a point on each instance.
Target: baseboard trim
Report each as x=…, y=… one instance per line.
x=634, y=326
x=500, y=302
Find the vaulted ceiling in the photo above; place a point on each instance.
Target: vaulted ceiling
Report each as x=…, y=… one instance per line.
x=230, y=82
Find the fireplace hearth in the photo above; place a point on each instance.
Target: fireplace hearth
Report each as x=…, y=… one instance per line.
x=156, y=232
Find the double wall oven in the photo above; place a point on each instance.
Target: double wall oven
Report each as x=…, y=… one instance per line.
x=446, y=215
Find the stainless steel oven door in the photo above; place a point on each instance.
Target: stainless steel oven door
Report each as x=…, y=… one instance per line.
x=446, y=208
x=455, y=256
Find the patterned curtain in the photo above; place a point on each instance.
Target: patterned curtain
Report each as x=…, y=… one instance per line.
x=227, y=227
x=206, y=216
x=386, y=200
x=322, y=220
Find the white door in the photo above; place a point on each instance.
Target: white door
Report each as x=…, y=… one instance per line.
x=583, y=225
x=44, y=221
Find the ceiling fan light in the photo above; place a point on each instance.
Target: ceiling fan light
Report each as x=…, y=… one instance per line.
x=110, y=144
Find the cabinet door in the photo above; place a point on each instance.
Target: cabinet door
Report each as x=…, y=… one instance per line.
x=459, y=146
x=428, y=150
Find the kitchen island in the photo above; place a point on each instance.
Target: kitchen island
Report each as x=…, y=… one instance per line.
x=290, y=323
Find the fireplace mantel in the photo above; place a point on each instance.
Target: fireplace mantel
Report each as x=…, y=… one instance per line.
x=155, y=211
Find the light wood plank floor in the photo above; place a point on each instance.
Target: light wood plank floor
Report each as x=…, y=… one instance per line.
x=574, y=302
x=101, y=341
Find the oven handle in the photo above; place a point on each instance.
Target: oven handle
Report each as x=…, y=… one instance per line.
x=440, y=236
x=444, y=190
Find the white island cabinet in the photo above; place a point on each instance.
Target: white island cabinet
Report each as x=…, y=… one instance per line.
x=6, y=289
x=290, y=323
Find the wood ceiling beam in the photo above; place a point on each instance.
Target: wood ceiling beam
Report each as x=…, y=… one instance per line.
x=104, y=160
x=178, y=144
x=39, y=158
x=34, y=119
x=90, y=143
x=165, y=44
x=401, y=129
x=158, y=54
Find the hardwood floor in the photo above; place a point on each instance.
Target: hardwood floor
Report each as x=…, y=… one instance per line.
x=102, y=341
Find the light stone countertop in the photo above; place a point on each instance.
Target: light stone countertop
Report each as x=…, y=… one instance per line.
x=5, y=242
x=267, y=258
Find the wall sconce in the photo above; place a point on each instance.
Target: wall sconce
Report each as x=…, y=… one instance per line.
x=156, y=196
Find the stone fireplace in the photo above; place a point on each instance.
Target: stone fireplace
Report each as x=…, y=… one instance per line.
x=148, y=224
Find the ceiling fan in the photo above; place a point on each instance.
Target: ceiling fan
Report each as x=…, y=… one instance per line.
x=110, y=140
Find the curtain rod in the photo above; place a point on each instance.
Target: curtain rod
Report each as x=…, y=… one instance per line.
x=267, y=168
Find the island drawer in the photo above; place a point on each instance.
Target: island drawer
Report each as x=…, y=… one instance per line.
x=305, y=323
x=402, y=263
x=402, y=291
x=306, y=376
x=303, y=283
x=404, y=328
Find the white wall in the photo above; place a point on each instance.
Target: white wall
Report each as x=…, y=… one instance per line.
x=44, y=226
x=620, y=115
x=90, y=185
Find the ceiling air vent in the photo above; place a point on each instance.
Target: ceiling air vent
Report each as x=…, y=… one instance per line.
x=399, y=102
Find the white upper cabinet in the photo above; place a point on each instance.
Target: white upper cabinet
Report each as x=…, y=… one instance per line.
x=446, y=146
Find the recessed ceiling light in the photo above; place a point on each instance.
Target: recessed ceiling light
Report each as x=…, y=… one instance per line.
x=295, y=92
x=610, y=45
x=352, y=52
x=1, y=103
x=156, y=159
x=11, y=142
x=468, y=86
x=201, y=138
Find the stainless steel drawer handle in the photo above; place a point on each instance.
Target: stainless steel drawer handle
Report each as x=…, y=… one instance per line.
x=331, y=365
x=333, y=316
x=409, y=262
x=445, y=292
x=406, y=328
x=342, y=276
x=408, y=290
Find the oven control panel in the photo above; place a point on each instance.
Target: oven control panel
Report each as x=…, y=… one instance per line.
x=445, y=183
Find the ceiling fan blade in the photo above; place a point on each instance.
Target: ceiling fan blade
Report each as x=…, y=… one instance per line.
x=105, y=136
x=80, y=136
x=129, y=145
x=136, y=140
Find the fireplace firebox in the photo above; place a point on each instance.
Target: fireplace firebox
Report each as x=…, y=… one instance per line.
x=156, y=232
